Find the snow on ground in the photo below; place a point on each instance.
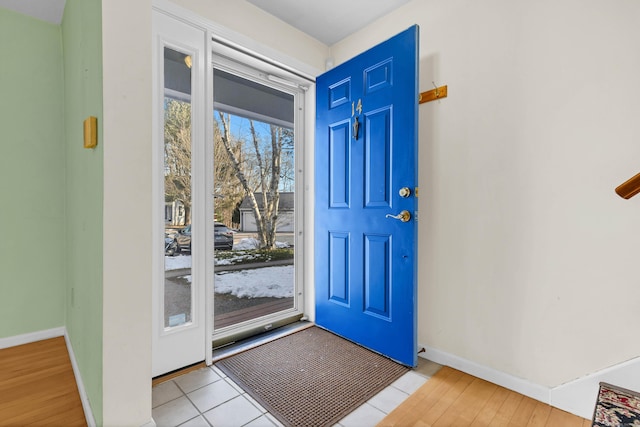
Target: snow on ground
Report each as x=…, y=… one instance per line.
x=275, y=282
x=234, y=259
x=251, y=243
x=177, y=262
x=271, y=282
x=248, y=243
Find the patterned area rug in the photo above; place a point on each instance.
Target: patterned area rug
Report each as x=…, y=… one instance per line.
x=616, y=407
x=312, y=377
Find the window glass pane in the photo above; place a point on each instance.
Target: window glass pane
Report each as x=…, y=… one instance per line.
x=254, y=182
x=178, y=297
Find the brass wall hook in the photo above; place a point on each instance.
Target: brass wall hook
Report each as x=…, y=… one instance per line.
x=433, y=94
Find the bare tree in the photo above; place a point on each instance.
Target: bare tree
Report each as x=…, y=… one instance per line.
x=177, y=154
x=267, y=167
x=287, y=158
x=227, y=195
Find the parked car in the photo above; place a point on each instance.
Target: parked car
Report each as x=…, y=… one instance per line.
x=223, y=238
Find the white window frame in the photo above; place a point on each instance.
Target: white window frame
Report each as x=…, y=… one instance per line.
x=266, y=74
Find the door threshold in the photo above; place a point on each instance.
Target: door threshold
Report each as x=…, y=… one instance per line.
x=257, y=340
x=178, y=372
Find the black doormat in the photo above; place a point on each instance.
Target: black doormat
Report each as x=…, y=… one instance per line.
x=312, y=377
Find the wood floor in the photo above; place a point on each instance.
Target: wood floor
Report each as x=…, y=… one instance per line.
x=453, y=398
x=38, y=387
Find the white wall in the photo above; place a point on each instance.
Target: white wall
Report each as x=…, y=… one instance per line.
x=127, y=182
x=260, y=27
x=529, y=258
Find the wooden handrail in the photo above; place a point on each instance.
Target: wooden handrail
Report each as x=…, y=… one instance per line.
x=629, y=188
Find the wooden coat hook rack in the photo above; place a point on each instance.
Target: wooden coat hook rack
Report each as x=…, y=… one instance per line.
x=433, y=94
x=629, y=188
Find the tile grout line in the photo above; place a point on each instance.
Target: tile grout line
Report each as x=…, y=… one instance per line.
x=236, y=387
x=200, y=414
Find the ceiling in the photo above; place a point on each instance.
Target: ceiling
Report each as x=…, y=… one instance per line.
x=46, y=10
x=328, y=21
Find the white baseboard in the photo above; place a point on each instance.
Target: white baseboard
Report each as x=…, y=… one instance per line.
x=84, y=398
x=577, y=397
x=151, y=423
x=54, y=333
x=510, y=382
x=32, y=337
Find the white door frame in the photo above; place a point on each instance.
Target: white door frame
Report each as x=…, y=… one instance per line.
x=179, y=346
x=256, y=70
x=240, y=42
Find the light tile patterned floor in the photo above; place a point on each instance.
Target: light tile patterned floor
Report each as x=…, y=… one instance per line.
x=207, y=397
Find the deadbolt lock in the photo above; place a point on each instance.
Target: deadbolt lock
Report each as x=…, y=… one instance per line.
x=404, y=192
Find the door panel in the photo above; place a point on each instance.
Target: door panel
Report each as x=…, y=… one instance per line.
x=377, y=180
x=366, y=151
x=179, y=287
x=377, y=295
x=339, y=165
x=339, y=268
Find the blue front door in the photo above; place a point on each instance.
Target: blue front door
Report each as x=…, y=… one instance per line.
x=366, y=175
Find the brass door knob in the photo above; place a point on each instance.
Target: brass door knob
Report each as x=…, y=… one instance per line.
x=403, y=216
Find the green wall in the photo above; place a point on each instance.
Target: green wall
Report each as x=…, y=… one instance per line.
x=50, y=186
x=82, y=41
x=32, y=176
